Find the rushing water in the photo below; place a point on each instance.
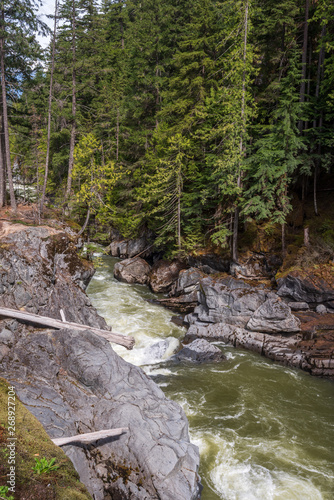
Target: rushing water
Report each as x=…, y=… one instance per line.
x=265, y=432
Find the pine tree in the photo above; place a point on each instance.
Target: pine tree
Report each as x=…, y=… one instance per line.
x=277, y=155
x=18, y=53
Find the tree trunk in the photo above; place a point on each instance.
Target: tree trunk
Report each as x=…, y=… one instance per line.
x=304, y=59
x=179, y=189
x=307, y=236
x=37, y=167
x=283, y=241
x=317, y=91
x=2, y=177
x=5, y=117
x=243, y=101
x=117, y=134
x=315, y=201
x=74, y=104
x=85, y=223
x=235, y=235
x=46, y=173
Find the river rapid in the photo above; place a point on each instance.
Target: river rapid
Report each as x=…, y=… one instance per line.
x=265, y=431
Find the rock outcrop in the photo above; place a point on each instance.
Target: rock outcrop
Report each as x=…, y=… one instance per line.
x=310, y=289
x=256, y=318
x=128, y=248
x=134, y=270
x=42, y=273
x=314, y=355
x=183, y=295
x=73, y=382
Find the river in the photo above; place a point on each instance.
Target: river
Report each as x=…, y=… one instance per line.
x=265, y=431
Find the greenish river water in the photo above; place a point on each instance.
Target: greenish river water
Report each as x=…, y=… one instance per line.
x=265, y=432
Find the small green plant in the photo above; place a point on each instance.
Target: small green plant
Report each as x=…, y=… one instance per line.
x=43, y=466
x=3, y=493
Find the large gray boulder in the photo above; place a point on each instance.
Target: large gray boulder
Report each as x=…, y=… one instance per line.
x=134, y=270
x=228, y=299
x=164, y=274
x=199, y=351
x=183, y=296
x=73, y=382
x=273, y=316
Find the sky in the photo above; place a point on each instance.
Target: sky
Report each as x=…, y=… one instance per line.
x=48, y=7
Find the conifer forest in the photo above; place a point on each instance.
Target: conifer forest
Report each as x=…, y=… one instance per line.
x=192, y=119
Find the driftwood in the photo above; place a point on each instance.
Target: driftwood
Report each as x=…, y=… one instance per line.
x=90, y=436
x=116, y=338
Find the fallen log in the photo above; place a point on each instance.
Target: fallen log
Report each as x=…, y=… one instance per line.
x=90, y=436
x=116, y=338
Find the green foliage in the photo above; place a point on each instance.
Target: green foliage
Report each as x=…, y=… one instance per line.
x=94, y=176
x=4, y=493
x=43, y=466
x=276, y=155
x=188, y=112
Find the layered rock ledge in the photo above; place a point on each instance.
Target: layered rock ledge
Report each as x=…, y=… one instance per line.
x=73, y=382
x=256, y=318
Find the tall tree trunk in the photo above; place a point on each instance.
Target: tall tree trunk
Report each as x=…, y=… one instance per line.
x=2, y=180
x=179, y=190
x=304, y=59
x=317, y=91
x=117, y=133
x=74, y=103
x=85, y=223
x=243, y=101
x=5, y=116
x=35, y=130
x=3, y=161
x=283, y=241
x=2, y=166
x=46, y=173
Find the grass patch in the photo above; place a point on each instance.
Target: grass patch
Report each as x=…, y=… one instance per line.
x=33, y=442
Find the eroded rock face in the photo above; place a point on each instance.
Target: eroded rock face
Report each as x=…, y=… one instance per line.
x=311, y=289
x=183, y=296
x=73, y=382
x=126, y=249
x=42, y=273
x=229, y=300
x=134, y=270
x=164, y=274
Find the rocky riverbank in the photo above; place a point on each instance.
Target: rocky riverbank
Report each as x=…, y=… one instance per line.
x=73, y=382
x=292, y=324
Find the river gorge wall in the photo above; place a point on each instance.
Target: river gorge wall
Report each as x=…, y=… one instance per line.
x=73, y=382
x=293, y=324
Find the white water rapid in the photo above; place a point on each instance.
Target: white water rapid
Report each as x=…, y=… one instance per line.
x=265, y=432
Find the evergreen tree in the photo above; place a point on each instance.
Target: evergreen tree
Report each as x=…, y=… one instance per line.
x=18, y=52
x=277, y=155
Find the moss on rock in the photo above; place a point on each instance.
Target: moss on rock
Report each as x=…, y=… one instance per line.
x=33, y=442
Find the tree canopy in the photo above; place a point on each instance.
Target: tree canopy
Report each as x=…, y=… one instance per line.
x=187, y=118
